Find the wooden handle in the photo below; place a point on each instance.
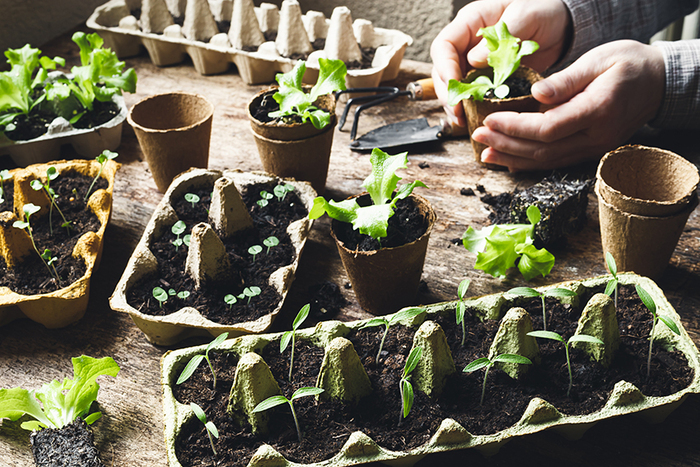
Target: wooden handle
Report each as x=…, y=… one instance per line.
x=422, y=90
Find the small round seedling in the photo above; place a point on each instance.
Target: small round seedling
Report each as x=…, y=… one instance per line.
x=178, y=229
x=230, y=300
x=251, y=292
x=172, y=292
x=192, y=198
x=269, y=242
x=183, y=295
x=160, y=295
x=254, y=250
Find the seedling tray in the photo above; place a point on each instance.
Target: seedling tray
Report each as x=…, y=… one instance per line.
x=625, y=398
x=188, y=321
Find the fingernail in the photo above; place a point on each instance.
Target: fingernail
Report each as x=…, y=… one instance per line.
x=544, y=88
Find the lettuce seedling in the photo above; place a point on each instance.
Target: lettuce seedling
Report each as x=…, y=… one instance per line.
x=461, y=306
x=183, y=295
x=249, y=292
x=178, y=229
x=161, y=295
x=498, y=247
x=269, y=242
x=28, y=210
x=402, y=315
x=612, y=283
x=51, y=174
x=209, y=426
x=405, y=386
x=281, y=191
x=192, y=199
x=194, y=362
x=230, y=300
x=487, y=363
x=291, y=335
x=505, y=52
x=106, y=155
x=56, y=404
x=265, y=198
x=372, y=220
x=99, y=78
x=555, y=292
x=4, y=176
x=651, y=306
x=294, y=102
x=274, y=401
x=254, y=250
x=19, y=86
x=575, y=338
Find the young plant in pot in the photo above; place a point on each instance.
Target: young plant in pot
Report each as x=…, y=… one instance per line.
x=382, y=254
x=503, y=87
x=293, y=124
x=60, y=413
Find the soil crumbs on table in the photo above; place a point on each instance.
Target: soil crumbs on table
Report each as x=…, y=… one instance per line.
x=71, y=446
x=32, y=275
x=327, y=425
x=246, y=270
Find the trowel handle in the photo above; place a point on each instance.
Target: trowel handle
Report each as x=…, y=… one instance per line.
x=422, y=90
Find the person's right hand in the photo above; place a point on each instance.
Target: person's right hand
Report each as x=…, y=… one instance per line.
x=457, y=48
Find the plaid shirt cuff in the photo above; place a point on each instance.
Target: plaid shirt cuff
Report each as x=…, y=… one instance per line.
x=680, y=107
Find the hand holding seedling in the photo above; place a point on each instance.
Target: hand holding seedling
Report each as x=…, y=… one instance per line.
x=274, y=401
x=651, y=306
x=291, y=335
x=402, y=315
x=555, y=292
x=194, y=362
x=487, y=363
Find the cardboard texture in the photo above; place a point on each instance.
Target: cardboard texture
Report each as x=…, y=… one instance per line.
x=87, y=142
x=387, y=279
x=172, y=328
x=173, y=131
x=213, y=53
x=477, y=111
x=624, y=400
x=67, y=305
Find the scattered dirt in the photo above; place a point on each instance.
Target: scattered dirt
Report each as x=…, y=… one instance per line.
x=71, y=446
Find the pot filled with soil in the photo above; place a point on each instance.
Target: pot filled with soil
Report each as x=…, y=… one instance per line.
x=645, y=198
x=358, y=413
x=51, y=246
x=293, y=124
x=219, y=255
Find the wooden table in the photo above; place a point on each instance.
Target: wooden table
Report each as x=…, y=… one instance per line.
x=131, y=432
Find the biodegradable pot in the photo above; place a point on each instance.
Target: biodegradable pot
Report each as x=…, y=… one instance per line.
x=645, y=196
x=625, y=398
x=387, y=279
x=477, y=111
x=299, y=151
x=67, y=305
x=173, y=130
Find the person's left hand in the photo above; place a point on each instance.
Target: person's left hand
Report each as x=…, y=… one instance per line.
x=601, y=100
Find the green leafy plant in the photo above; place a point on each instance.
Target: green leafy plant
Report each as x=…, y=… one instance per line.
x=403, y=315
x=555, y=292
x=194, y=362
x=281, y=191
x=461, y=306
x=274, y=401
x=99, y=77
x=269, y=242
x=575, y=338
x=294, y=102
x=405, y=386
x=161, y=295
x=290, y=336
x=4, y=176
x=37, y=185
x=102, y=159
x=28, y=210
x=249, y=292
x=57, y=404
x=498, y=247
x=178, y=229
x=613, y=283
x=209, y=426
x=265, y=198
x=192, y=198
x=651, y=306
x=505, y=52
x=487, y=363
x=254, y=250
x=230, y=300
x=20, y=86
x=371, y=220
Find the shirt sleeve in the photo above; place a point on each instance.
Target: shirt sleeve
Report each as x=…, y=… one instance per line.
x=680, y=107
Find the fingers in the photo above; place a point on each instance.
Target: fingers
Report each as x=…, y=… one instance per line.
x=518, y=164
x=456, y=113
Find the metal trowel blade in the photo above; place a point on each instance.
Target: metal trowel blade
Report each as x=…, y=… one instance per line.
x=397, y=134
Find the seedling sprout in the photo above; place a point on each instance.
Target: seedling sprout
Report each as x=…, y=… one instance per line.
x=575, y=338
x=210, y=427
x=461, y=306
x=269, y=242
x=192, y=199
x=184, y=295
x=487, y=363
x=160, y=295
x=106, y=155
x=230, y=300
x=528, y=292
x=249, y=292
x=274, y=401
x=651, y=306
x=254, y=250
x=4, y=175
x=51, y=174
x=291, y=335
x=178, y=229
x=28, y=210
x=405, y=386
x=265, y=198
x=612, y=283
x=281, y=191
x=395, y=318
x=194, y=362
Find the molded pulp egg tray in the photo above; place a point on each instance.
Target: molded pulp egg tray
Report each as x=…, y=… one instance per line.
x=540, y=415
x=188, y=321
x=124, y=35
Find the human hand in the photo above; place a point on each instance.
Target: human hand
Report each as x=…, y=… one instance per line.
x=457, y=48
x=601, y=100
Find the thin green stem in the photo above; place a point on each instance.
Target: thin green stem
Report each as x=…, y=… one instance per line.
x=401, y=408
x=291, y=358
x=296, y=421
x=381, y=344
x=463, y=332
x=651, y=342
x=568, y=364
x=616, y=296
x=211, y=441
x=544, y=314
x=483, y=385
x=212, y=370
x=87, y=195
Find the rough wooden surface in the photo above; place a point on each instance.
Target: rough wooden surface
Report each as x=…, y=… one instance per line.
x=130, y=432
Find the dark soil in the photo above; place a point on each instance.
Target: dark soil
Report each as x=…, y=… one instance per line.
x=326, y=300
x=378, y=414
x=32, y=276
x=518, y=87
x=406, y=225
x=101, y=113
x=71, y=446
x=271, y=220
x=8, y=195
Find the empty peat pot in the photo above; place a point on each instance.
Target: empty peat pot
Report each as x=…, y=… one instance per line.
x=645, y=196
x=173, y=131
